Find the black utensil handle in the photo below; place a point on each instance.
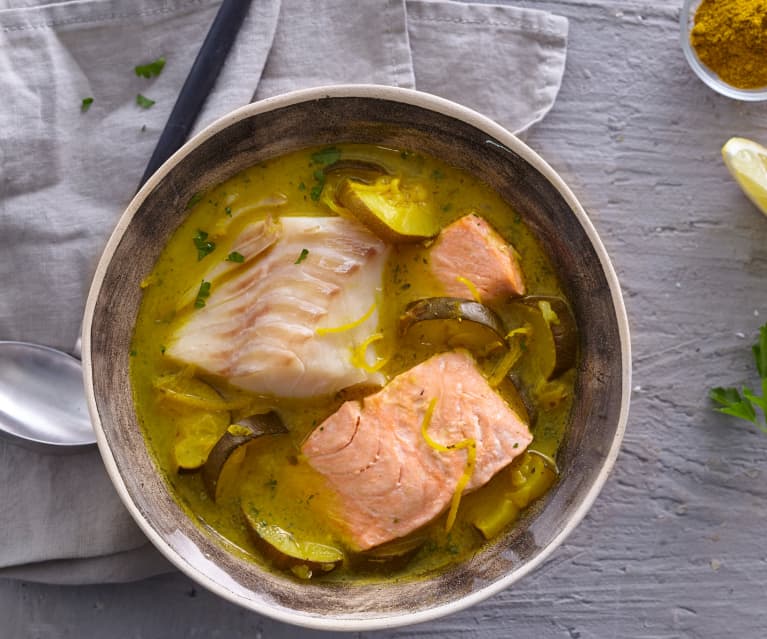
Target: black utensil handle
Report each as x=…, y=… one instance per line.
x=198, y=84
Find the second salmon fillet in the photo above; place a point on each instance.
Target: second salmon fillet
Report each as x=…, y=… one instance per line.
x=472, y=251
x=386, y=476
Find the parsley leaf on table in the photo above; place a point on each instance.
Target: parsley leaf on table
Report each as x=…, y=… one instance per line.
x=144, y=102
x=151, y=70
x=743, y=405
x=86, y=104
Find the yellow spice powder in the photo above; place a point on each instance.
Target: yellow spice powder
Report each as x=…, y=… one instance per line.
x=730, y=38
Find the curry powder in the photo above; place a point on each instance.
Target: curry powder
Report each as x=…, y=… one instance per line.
x=730, y=38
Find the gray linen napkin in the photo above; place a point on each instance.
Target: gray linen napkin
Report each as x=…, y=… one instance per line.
x=66, y=175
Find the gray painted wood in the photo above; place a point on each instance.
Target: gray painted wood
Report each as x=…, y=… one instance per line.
x=675, y=545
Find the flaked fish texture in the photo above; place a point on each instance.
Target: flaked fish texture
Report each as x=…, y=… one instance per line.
x=388, y=479
x=288, y=319
x=470, y=258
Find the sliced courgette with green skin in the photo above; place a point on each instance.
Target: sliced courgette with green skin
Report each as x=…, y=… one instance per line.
x=394, y=211
x=451, y=308
x=303, y=558
x=392, y=555
x=196, y=435
x=562, y=327
x=522, y=401
x=362, y=170
x=244, y=431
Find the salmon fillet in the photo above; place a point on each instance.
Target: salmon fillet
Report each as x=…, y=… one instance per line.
x=470, y=249
x=387, y=479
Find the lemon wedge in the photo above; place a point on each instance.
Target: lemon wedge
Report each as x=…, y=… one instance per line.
x=747, y=162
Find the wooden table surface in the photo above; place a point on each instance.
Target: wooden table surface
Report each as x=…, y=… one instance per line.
x=676, y=544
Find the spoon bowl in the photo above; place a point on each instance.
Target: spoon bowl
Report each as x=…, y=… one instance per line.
x=42, y=399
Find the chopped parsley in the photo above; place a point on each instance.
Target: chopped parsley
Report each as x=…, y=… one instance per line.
x=228, y=211
x=202, y=294
x=302, y=187
x=144, y=102
x=326, y=156
x=194, y=200
x=234, y=256
x=151, y=70
x=316, y=191
x=203, y=244
x=86, y=104
x=302, y=257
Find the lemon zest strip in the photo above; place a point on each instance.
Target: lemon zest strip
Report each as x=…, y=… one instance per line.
x=472, y=288
x=511, y=357
x=469, y=444
x=358, y=355
x=548, y=313
x=347, y=327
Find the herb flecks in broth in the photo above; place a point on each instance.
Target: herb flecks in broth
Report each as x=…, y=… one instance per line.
x=270, y=502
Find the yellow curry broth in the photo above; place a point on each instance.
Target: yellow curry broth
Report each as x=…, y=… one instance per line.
x=272, y=481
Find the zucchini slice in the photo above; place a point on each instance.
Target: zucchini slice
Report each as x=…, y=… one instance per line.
x=362, y=170
x=561, y=323
x=301, y=557
x=452, y=309
x=236, y=435
x=392, y=209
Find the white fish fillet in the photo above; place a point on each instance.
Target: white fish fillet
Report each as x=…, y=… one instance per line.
x=259, y=326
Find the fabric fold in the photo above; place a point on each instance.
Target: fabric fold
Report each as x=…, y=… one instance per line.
x=343, y=43
x=502, y=61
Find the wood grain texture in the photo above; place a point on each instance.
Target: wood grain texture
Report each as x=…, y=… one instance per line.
x=675, y=545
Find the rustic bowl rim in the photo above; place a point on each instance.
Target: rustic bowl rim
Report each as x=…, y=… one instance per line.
x=428, y=102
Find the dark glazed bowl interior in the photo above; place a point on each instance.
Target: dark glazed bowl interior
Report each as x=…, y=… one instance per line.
x=252, y=135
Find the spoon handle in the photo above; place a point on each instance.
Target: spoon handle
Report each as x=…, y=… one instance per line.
x=202, y=76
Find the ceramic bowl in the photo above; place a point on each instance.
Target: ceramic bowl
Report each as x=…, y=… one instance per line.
x=400, y=119
x=687, y=21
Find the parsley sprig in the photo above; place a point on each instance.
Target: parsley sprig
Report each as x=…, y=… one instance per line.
x=744, y=405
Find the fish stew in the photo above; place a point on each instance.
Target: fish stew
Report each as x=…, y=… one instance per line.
x=229, y=440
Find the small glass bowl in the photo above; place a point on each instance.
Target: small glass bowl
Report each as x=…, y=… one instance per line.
x=687, y=21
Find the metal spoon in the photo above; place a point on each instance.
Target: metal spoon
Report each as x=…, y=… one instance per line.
x=42, y=397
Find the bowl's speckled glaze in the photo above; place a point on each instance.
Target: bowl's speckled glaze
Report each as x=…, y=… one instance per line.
x=401, y=119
